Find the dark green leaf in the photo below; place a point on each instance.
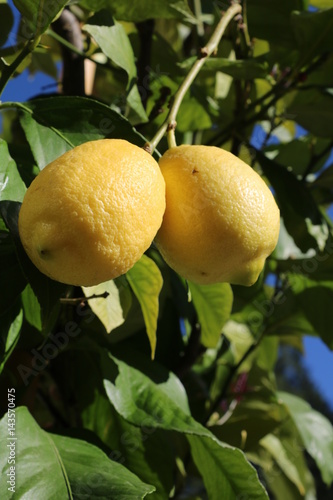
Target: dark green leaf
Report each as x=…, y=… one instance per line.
x=12, y=280
x=139, y=400
x=11, y=185
x=313, y=32
x=270, y=20
x=6, y=22
x=146, y=282
x=46, y=290
x=10, y=326
x=60, y=467
x=325, y=179
x=46, y=145
x=313, y=110
x=300, y=153
x=140, y=11
x=302, y=217
x=316, y=432
x=247, y=69
x=213, y=305
x=252, y=399
x=144, y=451
x=315, y=299
x=37, y=18
x=79, y=119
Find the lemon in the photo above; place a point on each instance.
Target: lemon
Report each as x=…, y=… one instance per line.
x=221, y=220
x=89, y=215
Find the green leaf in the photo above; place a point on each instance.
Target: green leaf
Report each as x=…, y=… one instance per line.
x=146, y=282
x=322, y=4
x=302, y=217
x=276, y=449
x=79, y=119
x=252, y=399
x=110, y=308
x=63, y=467
x=6, y=22
x=271, y=20
x=315, y=298
x=12, y=280
x=225, y=481
x=313, y=32
x=147, y=453
x=115, y=44
x=11, y=185
x=127, y=10
x=246, y=69
x=316, y=432
x=46, y=144
x=10, y=327
x=287, y=451
x=47, y=291
x=141, y=401
x=313, y=110
x=299, y=153
x=31, y=307
x=37, y=18
x=213, y=304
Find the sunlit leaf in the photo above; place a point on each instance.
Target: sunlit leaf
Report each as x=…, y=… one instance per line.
x=146, y=282
x=63, y=467
x=316, y=432
x=46, y=144
x=11, y=185
x=213, y=305
x=115, y=44
x=274, y=446
x=108, y=303
x=140, y=400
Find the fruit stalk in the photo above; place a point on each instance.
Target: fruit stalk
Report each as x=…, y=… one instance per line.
x=170, y=123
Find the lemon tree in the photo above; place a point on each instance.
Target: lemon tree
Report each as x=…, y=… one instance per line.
x=183, y=152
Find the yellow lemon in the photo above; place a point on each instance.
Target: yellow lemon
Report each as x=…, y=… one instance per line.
x=90, y=214
x=221, y=220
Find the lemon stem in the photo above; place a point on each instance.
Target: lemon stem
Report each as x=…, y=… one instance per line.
x=170, y=123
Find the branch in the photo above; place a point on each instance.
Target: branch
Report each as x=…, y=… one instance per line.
x=68, y=27
x=145, y=30
x=8, y=71
x=170, y=122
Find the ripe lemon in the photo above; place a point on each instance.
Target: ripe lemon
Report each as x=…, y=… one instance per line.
x=221, y=220
x=90, y=214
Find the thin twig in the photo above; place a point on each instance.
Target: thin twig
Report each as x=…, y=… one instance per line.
x=78, y=300
x=170, y=122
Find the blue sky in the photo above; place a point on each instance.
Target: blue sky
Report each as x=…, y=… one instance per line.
x=318, y=358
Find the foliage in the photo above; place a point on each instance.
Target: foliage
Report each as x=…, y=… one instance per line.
x=96, y=417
